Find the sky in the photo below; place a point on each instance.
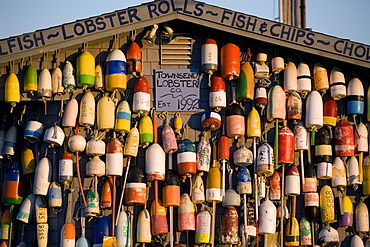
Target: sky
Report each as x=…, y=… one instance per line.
x=340, y=18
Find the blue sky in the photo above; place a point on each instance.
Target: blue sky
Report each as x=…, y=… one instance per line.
x=340, y=18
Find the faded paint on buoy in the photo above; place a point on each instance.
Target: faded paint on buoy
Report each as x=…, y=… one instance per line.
x=229, y=227
x=143, y=233
x=362, y=217
x=327, y=206
x=344, y=139
x=276, y=108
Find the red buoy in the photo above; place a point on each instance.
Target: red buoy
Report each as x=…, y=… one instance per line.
x=344, y=139
x=286, y=145
x=230, y=61
x=134, y=59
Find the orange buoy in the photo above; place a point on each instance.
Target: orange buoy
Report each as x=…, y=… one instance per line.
x=230, y=61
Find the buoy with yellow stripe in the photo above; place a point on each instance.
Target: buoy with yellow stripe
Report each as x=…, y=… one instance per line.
x=230, y=61
x=123, y=118
x=290, y=78
x=330, y=112
x=30, y=79
x=303, y=79
x=362, y=217
x=327, y=206
x=105, y=113
x=68, y=235
x=292, y=232
x=5, y=225
x=345, y=218
x=134, y=59
x=320, y=80
x=245, y=83
x=143, y=232
x=69, y=82
x=323, y=154
x=99, y=77
x=203, y=227
x=87, y=110
x=12, y=90
x=141, y=98
x=85, y=69
x=337, y=84
x=116, y=71
x=41, y=220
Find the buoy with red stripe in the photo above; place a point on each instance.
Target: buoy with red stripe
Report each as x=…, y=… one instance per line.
x=346, y=218
x=235, y=122
x=366, y=181
x=143, y=233
x=30, y=79
x=114, y=158
x=116, y=71
x=275, y=186
x=276, y=108
x=356, y=241
x=362, y=217
x=85, y=69
x=66, y=167
x=260, y=99
x=203, y=227
x=355, y=97
x=68, y=235
x=330, y=112
x=155, y=163
x=186, y=214
x=13, y=185
x=303, y=79
x=44, y=90
x=105, y=113
x=292, y=181
x=209, y=56
x=87, y=110
x=217, y=92
x=265, y=160
x=99, y=77
x=320, y=78
x=42, y=177
x=141, y=98
x=136, y=186
x=10, y=141
x=294, y=106
x=146, y=130
x=344, y=139
x=69, y=82
x=311, y=205
x=123, y=117
x=229, y=227
x=353, y=172
x=158, y=220
x=186, y=157
x=290, y=78
x=305, y=232
x=134, y=59
x=70, y=113
x=230, y=61
x=327, y=206
x=245, y=83
x=337, y=84
x=27, y=208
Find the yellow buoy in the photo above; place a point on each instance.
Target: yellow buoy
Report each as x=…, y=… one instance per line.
x=28, y=161
x=146, y=130
x=12, y=90
x=253, y=123
x=327, y=207
x=85, y=69
x=123, y=117
x=105, y=113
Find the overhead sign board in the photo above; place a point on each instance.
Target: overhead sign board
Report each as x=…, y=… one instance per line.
x=176, y=89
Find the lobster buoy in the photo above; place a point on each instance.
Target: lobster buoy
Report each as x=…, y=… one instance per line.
x=13, y=185
x=70, y=113
x=339, y=178
x=55, y=196
x=136, y=186
x=209, y=56
x=337, y=84
x=229, y=228
x=10, y=141
x=353, y=172
x=77, y=143
x=310, y=179
x=187, y=157
x=101, y=228
x=114, y=158
x=292, y=232
x=116, y=71
x=12, y=90
x=344, y=139
x=30, y=79
x=197, y=190
x=267, y=218
x=356, y=241
x=305, y=232
x=26, y=211
x=253, y=124
x=355, y=97
x=85, y=69
x=134, y=59
x=44, y=89
x=92, y=200
x=186, y=214
x=275, y=186
x=105, y=113
x=68, y=79
x=320, y=78
x=66, y=167
x=328, y=236
x=169, y=141
x=42, y=177
x=95, y=167
x=158, y=220
x=346, y=219
x=243, y=156
x=122, y=229
x=286, y=145
x=213, y=185
x=311, y=205
x=314, y=111
x=244, y=181
x=330, y=112
x=68, y=235
x=217, y=92
x=99, y=77
x=362, y=217
x=203, y=155
x=54, y=136
x=361, y=139
x=171, y=190
x=143, y=233
x=277, y=63
x=87, y=110
x=292, y=181
x=260, y=99
x=366, y=182
x=106, y=194
x=146, y=130
x=290, y=78
x=155, y=163
x=28, y=161
x=132, y=143
x=265, y=160
x=123, y=117
x=300, y=137
x=245, y=83
x=261, y=70
x=203, y=227
x=276, y=106
x=141, y=98
x=303, y=79
x=33, y=131
x=95, y=147
x=230, y=61
x=211, y=121
x=5, y=225
x=235, y=123
x=327, y=207
x=294, y=106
